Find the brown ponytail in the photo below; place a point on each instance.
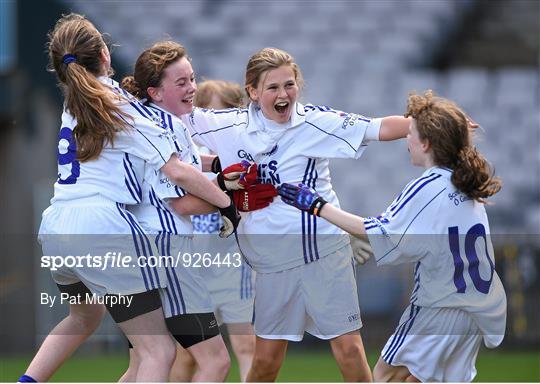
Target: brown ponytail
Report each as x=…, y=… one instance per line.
x=130, y=85
x=445, y=126
x=86, y=98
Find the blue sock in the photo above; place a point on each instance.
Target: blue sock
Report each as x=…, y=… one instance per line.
x=26, y=379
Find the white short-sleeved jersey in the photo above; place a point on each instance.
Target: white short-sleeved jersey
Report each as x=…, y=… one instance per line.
x=153, y=212
x=296, y=154
x=117, y=173
x=447, y=235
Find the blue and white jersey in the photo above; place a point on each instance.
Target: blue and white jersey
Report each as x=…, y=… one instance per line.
x=297, y=152
x=153, y=212
x=118, y=171
x=447, y=235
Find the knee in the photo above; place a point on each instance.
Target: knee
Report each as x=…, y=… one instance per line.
x=162, y=350
x=219, y=361
x=349, y=352
x=245, y=348
x=265, y=365
x=88, y=321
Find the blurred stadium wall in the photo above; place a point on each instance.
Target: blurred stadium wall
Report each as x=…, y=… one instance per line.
x=358, y=56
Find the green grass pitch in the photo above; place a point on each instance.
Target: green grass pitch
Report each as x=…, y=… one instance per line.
x=493, y=366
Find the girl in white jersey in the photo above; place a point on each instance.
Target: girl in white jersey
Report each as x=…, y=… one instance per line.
x=231, y=289
x=439, y=223
x=305, y=280
x=104, y=141
x=164, y=77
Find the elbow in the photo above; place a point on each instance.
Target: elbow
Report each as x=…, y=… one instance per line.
x=179, y=175
x=179, y=207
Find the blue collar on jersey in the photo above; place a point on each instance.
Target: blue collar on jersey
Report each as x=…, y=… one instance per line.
x=298, y=116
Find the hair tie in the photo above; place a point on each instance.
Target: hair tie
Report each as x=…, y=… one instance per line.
x=68, y=58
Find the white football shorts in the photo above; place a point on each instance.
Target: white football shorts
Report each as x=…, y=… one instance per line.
x=320, y=298
x=98, y=242
x=435, y=344
x=186, y=291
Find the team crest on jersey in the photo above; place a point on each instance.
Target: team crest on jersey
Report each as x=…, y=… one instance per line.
x=244, y=155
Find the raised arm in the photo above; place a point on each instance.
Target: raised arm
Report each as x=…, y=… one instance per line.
x=394, y=127
x=397, y=127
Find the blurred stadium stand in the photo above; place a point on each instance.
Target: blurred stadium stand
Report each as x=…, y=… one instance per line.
x=356, y=56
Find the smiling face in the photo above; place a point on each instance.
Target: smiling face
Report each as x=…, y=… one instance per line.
x=276, y=93
x=419, y=149
x=178, y=86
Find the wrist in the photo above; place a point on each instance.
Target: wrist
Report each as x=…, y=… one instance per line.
x=215, y=167
x=224, y=201
x=317, y=206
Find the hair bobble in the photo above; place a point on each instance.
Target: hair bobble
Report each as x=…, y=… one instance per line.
x=69, y=58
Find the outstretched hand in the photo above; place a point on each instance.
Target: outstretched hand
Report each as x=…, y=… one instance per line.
x=302, y=197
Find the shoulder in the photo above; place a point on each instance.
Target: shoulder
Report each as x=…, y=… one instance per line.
x=422, y=191
x=322, y=113
x=220, y=116
x=312, y=111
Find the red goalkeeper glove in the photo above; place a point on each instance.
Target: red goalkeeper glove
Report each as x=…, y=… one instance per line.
x=254, y=197
x=238, y=176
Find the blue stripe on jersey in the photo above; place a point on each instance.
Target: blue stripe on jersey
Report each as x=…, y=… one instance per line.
x=399, y=335
x=168, y=220
x=414, y=193
x=331, y=134
x=131, y=181
x=370, y=223
x=167, y=294
x=133, y=194
x=143, y=247
x=304, y=214
x=145, y=240
x=313, y=217
x=406, y=190
x=137, y=107
x=167, y=117
x=179, y=191
x=135, y=242
x=416, y=283
x=412, y=220
x=168, y=214
x=137, y=184
x=389, y=357
x=153, y=203
x=177, y=303
x=307, y=181
x=142, y=134
x=173, y=281
x=182, y=302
